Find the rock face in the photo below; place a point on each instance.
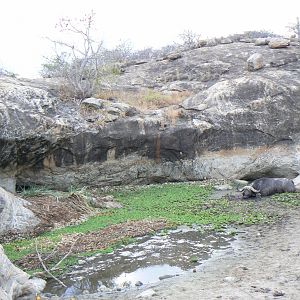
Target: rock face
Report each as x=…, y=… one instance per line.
x=14, y=214
x=236, y=124
x=14, y=283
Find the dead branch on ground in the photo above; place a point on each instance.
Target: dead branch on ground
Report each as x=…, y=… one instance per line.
x=49, y=271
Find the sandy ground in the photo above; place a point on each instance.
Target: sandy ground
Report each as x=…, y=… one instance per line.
x=263, y=264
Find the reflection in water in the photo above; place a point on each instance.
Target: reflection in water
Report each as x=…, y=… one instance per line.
x=147, y=274
x=145, y=261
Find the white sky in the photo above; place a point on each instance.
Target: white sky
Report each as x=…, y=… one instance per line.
x=25, y=23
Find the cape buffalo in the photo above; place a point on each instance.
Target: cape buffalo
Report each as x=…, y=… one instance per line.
x=267, y=187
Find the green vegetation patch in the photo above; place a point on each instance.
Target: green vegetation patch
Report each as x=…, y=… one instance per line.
x=185, y=203
x=288, y=199
x=189, y=204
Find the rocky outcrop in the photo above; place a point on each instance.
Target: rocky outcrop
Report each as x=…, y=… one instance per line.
x=237, y=124
x=16, y=284
x=254, y=137
x=14, y=215
x=100, y=110
x=202, y=67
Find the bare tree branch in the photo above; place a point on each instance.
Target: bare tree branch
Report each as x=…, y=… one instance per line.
x=44, y=266
x=69, y=252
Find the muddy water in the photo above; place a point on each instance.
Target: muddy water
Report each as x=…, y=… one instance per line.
x=149, y=260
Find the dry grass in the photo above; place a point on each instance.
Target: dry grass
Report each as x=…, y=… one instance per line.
x=172, y=114
x=145, y=99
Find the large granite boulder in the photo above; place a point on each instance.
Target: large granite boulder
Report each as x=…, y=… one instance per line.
x=16, y=284
x=254, y=128
x=235, y=125
x=14, y=215
x=261, y=41
x=276, y=43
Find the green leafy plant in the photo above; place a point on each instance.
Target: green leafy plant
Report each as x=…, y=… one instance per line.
x=194, y=259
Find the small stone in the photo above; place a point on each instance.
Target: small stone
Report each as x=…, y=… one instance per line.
x=255, y=62
x=138, y=283
x=285, y=249
x=126, y=253
x=94, y=103
x=246, y=40
x=90, y=258
x=230, y=279
x=47, y=295
x=261, y=42
x=223, y=187
x=165, y=277
x=81, y=262
x=278, y=293
x=147, y=293
x=173, y=56
x=126, y=284
x=104, y=288
x=226, y=41
x=262, y=290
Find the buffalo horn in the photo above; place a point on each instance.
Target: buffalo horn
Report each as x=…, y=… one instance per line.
x=251, y=188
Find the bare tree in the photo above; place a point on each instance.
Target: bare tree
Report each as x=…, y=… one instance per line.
x=120, y=53
x=189, y=39
x=54, y=66
x=4, y=72
x=78, y=61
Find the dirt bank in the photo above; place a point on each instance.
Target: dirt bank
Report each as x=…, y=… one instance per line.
x=265, y=264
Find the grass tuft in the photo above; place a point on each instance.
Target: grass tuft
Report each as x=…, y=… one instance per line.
x=38, y=191
x=146, y=99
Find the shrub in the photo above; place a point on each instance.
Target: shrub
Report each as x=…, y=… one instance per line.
x=252, y=34
x=190, y=39
x=78, y=62
x=295, y=28
x=4, y=72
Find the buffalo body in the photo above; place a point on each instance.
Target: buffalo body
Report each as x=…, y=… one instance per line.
x=268, y=187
